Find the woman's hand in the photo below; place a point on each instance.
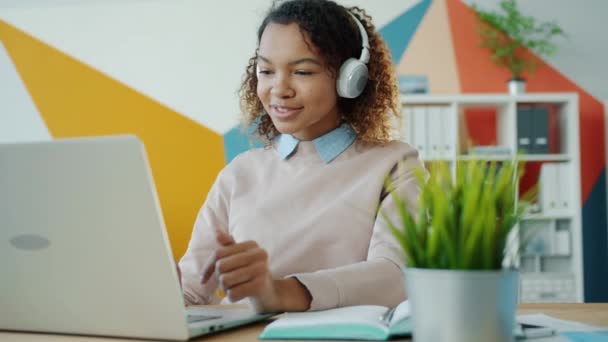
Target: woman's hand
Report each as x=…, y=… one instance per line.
x=241, y=270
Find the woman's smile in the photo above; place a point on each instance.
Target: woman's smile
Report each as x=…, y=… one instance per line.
x=285, y=112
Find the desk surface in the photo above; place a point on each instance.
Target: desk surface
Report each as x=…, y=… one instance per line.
x=594, y=314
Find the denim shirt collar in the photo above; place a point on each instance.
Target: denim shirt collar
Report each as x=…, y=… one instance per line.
x=329, y=146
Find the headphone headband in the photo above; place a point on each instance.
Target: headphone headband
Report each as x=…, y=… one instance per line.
x=353, y=73
x=364, y=40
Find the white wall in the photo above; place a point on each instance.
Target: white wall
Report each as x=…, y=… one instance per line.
x=19, y=118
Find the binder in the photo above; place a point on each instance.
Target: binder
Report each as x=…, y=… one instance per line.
x=561, y=242
x=549, y=189
x=563, y=185
x=435, y=130
x=524, y=128
x=562, y=239
x=540, y=130
x=419, y=130
x=448, y=128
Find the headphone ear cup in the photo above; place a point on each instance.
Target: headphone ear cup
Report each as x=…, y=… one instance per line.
x=352, y=78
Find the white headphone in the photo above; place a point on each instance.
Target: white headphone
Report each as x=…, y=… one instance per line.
x=353, y=75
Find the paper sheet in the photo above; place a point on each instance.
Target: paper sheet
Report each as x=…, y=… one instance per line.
x=402, y=311
x=558, y=324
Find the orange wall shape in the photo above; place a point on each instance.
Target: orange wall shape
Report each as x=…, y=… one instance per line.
x=481, y=126
x=74, y=99
x=479, y=75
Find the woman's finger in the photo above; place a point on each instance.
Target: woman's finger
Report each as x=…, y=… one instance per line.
x=242, y=275
x=247, y=289
x=238, y=260
x=223, y=238
x=221, y=253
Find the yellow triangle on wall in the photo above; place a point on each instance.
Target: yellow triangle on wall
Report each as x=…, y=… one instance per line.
x=74, y=99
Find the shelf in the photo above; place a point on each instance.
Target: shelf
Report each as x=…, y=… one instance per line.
x=486, y=98
x=434, y=160
x=446, y=112
x=541, y=217
x=500, y=157
x=471, y=100
x=531, y=255
x=545, y=157
x=523, y=157
x=527, y=274
x=545, y=97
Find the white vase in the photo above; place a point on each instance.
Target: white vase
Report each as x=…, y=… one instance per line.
x=462, y=306
x=516, y=86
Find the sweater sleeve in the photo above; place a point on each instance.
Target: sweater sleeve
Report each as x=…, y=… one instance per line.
x=212, y=216
x=379, y=279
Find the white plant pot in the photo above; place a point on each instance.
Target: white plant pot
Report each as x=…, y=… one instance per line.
x=517, y=86
x=462, y=306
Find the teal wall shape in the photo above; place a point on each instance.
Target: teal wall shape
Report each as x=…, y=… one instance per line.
x=237, y=142
x=595, y=242
x=399, y=32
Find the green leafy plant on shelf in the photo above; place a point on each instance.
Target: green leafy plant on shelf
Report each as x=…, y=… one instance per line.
x=507, y=33
x=462, y=223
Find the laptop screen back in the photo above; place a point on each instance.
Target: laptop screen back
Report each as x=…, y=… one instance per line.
x=83, y=244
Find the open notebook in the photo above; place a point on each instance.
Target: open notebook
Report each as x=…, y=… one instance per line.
x=361, y=322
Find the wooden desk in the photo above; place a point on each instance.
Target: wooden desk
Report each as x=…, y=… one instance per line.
x=594, y=314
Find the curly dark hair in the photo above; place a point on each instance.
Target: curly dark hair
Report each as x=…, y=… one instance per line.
x=336, y=37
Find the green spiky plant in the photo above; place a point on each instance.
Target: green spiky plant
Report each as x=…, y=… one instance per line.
x=506, y=33
x=461, y=223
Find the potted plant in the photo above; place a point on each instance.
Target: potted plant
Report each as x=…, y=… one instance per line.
x=459, y=251
x=508, y=33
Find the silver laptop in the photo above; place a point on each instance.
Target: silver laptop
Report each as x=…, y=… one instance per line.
x=83, y=246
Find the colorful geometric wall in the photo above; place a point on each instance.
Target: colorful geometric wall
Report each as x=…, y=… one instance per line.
x=74, y=99
x=170, y=76
x=445, y=48
x=165, y=70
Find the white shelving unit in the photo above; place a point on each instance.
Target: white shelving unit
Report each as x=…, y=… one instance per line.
x=551, y=264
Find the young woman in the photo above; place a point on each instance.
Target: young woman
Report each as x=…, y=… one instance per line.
x=294, y=226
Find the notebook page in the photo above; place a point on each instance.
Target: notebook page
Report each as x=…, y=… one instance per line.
x=363, y=314
x=401, y=312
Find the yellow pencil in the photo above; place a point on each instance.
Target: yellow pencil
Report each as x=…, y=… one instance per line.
x=220, y=293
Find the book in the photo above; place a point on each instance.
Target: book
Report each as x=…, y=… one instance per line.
x=540, y=130
x=524, y=129
x=564, y=194
x=360, y=322
x=534, y=129
x=549, y=189
x=420, y=130
x=490, y=150
x=413, y=84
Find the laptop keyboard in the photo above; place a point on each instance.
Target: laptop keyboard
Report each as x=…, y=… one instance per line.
x=199, y=318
